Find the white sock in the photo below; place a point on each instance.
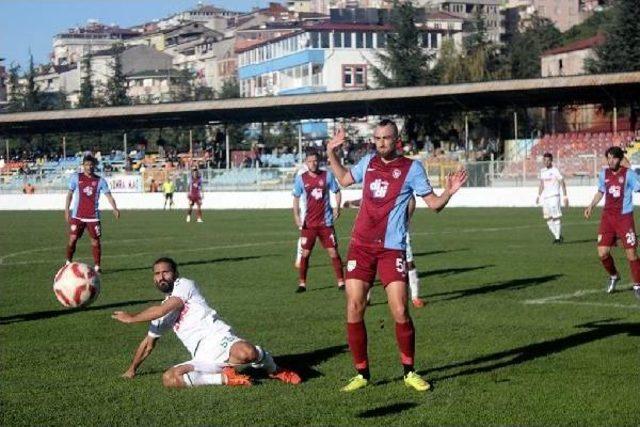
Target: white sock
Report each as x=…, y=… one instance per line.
x=369, y=295
x=265, y=361
x=196, y=378
x=551, y=226
x=558, y=227
x=414, y=283
x=299, y=252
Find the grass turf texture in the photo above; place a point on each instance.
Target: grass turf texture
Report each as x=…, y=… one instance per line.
x=492, y=358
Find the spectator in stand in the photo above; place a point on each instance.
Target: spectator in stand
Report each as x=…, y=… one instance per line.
x=153, y=186
x=28, y=188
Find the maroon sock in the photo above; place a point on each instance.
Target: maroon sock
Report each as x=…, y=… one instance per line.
x=406, y=337
x=337, y=268
x=357, y=339
x=304, y=267
x=609, y=265
x=96, y=250
x=71, y=249
x=635, y=270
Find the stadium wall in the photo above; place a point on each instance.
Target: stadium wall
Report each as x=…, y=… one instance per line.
x=466, y=197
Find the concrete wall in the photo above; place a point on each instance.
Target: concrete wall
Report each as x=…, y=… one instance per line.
x=467, y=197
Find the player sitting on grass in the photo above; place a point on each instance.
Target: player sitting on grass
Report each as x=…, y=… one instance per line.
x=215, y=349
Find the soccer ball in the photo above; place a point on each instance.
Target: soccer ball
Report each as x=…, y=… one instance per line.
x=76, y=285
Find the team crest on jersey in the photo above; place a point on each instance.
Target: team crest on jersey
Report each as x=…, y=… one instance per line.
x=379, y=188
x=88, y=191
x=396, y=173
x=351, y=265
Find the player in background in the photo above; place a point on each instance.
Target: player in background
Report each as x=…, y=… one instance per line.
x=378, y=241
x=412, y=272
x=550, y=182
x=616, y=184
x=215, y=349
x=303, y=210
x=86, y=186
x=314, y=186
x=195, y=194
x=168, y=188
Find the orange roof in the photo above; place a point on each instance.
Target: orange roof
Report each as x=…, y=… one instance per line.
x=589, y=43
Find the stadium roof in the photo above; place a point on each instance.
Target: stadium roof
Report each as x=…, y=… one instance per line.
x=509, y=94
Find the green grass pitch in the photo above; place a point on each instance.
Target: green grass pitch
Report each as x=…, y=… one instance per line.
x=517, y=331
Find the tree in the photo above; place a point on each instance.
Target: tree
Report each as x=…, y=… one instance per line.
x=87, y=90
x=16, y=94
x=403, y=62
x=621, y=49
x=181, y=86
x=230, y=89
x=526, y=47
x=32, y=95
x=116, y=90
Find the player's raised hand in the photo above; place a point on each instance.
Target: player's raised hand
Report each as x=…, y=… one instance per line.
x=455, y=180
x=337, y=140
x=122, y=316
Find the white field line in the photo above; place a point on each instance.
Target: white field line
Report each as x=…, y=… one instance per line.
x=566, y=299
x=257, y=244
x=595, y=304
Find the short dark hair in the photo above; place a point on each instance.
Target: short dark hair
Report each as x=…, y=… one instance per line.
x=615, y=152
x=90, y=158
x=167, y=260
x=310, y=153
x=386, y=122
x=549, y=155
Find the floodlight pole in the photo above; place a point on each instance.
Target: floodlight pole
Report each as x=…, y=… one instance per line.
x=191, y=144
x=64, y=148
x=466, y=135
x=6, y=141
x=524, y=146
x=300, y=142
x=226, y=141
x=615, y=118
x=124, y=143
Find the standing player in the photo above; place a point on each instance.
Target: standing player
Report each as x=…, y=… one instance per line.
x=215, y=349
x=617, y=184
x=195, y=194
x=550, y=182
x=317, y=222
x=86, y=186
x=303, y=210
x=378, y=241
x=168, y=188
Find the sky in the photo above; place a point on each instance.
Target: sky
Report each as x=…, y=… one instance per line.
x=31, y=24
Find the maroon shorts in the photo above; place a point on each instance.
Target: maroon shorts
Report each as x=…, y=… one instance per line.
x=327, y=236
x=614, y=227
x=195, y=199
x=364, y=262
x=76, y=228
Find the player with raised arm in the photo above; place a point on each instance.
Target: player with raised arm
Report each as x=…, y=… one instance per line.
x=216, y=351
x=84, y=189
x=378, y=241
x=314, y=186
x=616, y=184
x=195, y=194
x=550, y=182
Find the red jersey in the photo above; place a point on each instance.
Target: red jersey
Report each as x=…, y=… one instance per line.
x=618, y=188
x=195, y=187
x=87, y=191
x=315, y=189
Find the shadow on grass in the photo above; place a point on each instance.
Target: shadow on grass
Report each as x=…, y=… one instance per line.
x=514, y=284
x=182, y=264
x=305, y=363
x=382, y=411
x=516, y=356
x=443, y=251
x=49, y=314
x=576, y=242
x=451, y=271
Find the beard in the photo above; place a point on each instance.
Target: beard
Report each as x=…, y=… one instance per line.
x=165, y=287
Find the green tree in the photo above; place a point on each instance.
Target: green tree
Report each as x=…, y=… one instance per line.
x=230, y=89
x=116, y=90
x=181, y=86
x=32, y=94
x=526, y=47
x=403, y=62
x=621, y=49
x=15, y=96
x=87, y=90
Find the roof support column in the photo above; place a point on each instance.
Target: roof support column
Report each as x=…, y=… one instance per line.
x=226, y=144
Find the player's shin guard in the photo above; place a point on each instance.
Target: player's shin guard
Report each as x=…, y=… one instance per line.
x=609, y=265
x=337, y=268
x=96, y=251
x=264, y=361
x=551, y=226
x=414, y=283
x=406, y=337
x=71, y=249
x=357, y=339
x=558, y=226
x=304, y=267
x=196, y=378
x=635, y=270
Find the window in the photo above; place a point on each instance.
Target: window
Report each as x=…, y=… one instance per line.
x=315, y=40
x=368, y=41
x=359, y=40
x=354, y=76
x=434, y=40
x=382, y=40
x=347, y=39
x=425, y=40
x=337, y=39
x=324, y=40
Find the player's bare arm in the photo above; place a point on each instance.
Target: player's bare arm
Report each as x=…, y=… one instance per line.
x=142, y=352
x=112, y=202
x=340, y=172
x=296, y=211
x=596, y=199
x=565, y=199
x=540, y=189
x=337, y=209
x=151, y=313
x=453, y=183
x=67, y=205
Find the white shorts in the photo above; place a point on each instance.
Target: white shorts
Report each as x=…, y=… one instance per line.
x=408, y=250
x=551, y=207
x=214, y=349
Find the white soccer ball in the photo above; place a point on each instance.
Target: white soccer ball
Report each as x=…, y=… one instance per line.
x=76, y=285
